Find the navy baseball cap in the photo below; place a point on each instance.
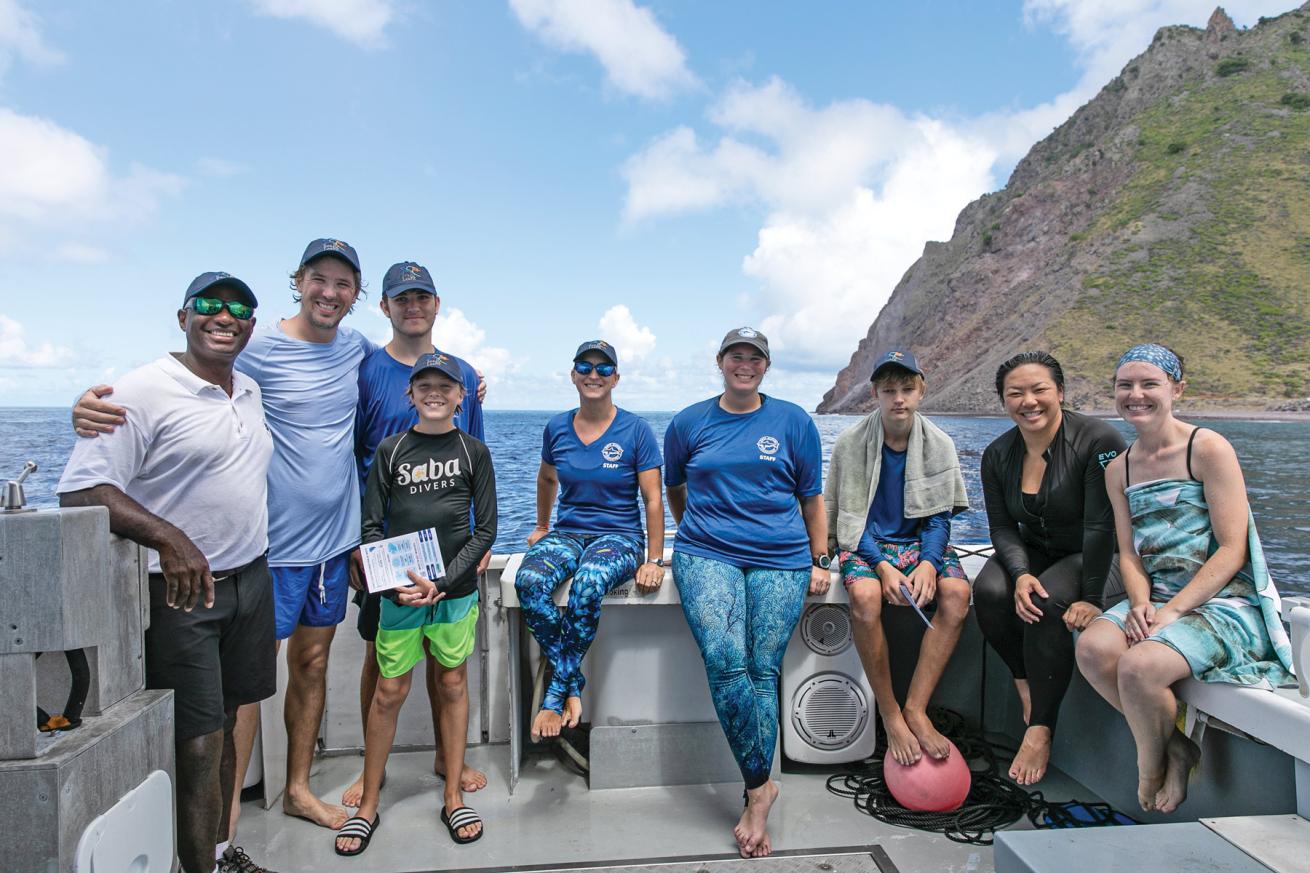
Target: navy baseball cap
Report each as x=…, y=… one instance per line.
x=202, y=283
x=748, y=335
x=440, y=362
x=340, y=248
x=597, y=346
x=407, y=276
x=902, y=358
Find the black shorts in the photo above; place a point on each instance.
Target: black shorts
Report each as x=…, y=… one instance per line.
x=370, y=611
x=214, y=659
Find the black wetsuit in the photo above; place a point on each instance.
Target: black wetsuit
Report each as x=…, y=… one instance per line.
x=420, y=480
x=1063, y=535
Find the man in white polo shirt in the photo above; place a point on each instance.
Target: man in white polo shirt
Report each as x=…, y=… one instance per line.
x=186, y=476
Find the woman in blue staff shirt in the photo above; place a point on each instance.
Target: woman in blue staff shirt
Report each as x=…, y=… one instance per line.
x=597, y=457
x=744, y=478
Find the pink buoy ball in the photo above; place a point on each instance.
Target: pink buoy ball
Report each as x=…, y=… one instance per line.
x=929, y=784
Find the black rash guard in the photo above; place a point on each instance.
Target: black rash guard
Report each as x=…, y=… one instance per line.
x=1071, y=512
x=420, y=480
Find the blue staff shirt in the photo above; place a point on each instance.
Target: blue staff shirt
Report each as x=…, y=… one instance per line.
x=598, y=482
x=310, y=392
x=384, y=407
x=744, y=474
x=887, y=522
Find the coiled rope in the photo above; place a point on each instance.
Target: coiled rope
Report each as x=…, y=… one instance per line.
x=993, y=802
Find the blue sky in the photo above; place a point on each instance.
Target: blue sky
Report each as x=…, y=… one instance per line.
x=653, y=173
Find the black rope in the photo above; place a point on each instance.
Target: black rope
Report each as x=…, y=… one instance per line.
x=993, y=802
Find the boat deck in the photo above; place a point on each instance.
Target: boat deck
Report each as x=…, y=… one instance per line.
x=554, y=822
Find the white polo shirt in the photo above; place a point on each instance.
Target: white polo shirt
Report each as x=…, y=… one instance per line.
x=189, y=454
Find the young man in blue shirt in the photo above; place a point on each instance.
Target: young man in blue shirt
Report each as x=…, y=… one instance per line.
x=410, y=302
x=893, y=484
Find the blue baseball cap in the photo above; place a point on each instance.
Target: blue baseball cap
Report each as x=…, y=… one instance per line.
x=340, y=248
x=597, y=346
x=407, y=276
x=202, y=283
x=903, y=358
x=440, y=362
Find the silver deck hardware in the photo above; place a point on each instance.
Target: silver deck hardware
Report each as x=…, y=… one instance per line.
x=14, y=499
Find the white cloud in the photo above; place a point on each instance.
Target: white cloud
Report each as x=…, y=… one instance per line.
x=633, y=341
x=80, y=253
x=16, y=351
x=849, y=192
x=20, y=36
x=359, y=21
x=455, y=333
x=852, y=191
x=638, y=55
x=55, y=180
x=219, y=167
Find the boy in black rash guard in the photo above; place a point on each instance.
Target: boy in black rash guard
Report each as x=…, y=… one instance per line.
x=427, y=477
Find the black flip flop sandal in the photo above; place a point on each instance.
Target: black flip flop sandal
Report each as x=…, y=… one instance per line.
x=462, y=818
x=357, y=828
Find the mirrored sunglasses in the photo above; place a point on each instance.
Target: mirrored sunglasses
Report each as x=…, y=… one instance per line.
x=213, y=306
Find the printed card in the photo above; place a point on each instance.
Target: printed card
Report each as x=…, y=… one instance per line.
x=387, y=562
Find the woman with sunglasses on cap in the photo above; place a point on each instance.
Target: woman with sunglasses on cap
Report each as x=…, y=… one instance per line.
x=1053, y=532
x=1200, y=599
x=744, y=477
x=597, y=458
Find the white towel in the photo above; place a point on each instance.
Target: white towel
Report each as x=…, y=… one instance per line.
x=933, y=481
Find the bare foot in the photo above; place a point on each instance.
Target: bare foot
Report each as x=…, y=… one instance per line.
x=572, y=712
x=546, y=724
x=353, y=795
x=311, y=808
x=1148, y=786
x=752, y=829
x=1025, y=697
x=470, y=778
x=1181, y=755
x=1034, y=754
x=930, y=739
x=901, y=741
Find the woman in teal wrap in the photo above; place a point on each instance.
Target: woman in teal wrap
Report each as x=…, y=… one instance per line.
x=1200, y=599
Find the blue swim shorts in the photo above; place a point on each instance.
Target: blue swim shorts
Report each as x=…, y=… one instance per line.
x=313, y=595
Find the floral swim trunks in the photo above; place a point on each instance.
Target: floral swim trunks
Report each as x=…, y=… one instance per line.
x=902, y=556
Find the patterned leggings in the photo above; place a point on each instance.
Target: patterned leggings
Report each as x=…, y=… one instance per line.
x=597, y=564
x=742, y=620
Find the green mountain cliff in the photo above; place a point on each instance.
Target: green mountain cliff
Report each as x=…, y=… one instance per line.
x=1173, y=207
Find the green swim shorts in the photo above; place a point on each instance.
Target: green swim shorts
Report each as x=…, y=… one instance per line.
x=449, y=626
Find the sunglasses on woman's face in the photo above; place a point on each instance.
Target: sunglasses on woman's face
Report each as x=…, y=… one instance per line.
x=213, y=306
x=584, y=368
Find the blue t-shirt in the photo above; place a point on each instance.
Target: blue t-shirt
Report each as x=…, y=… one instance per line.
x=598, y=482
x=744, y=475
x=384, y=407
x=310, y=392
x=887, y=522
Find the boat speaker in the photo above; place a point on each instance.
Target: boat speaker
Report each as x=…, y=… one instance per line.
x=828, y=707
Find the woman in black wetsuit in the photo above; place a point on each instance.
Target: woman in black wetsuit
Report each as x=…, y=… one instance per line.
x=1053, y=531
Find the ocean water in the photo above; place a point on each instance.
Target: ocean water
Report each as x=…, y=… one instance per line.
x=1273, y=457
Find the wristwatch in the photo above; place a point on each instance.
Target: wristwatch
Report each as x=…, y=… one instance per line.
x=658, y=562
x=823, y=562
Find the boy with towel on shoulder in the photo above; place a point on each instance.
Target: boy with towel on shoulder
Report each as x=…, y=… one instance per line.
x=894, y=482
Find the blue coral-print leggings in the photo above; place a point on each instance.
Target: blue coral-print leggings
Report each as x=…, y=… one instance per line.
x=742, y=619
x=596, y=563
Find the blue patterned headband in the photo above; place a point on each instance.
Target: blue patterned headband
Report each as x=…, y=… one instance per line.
x=1153, y=353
